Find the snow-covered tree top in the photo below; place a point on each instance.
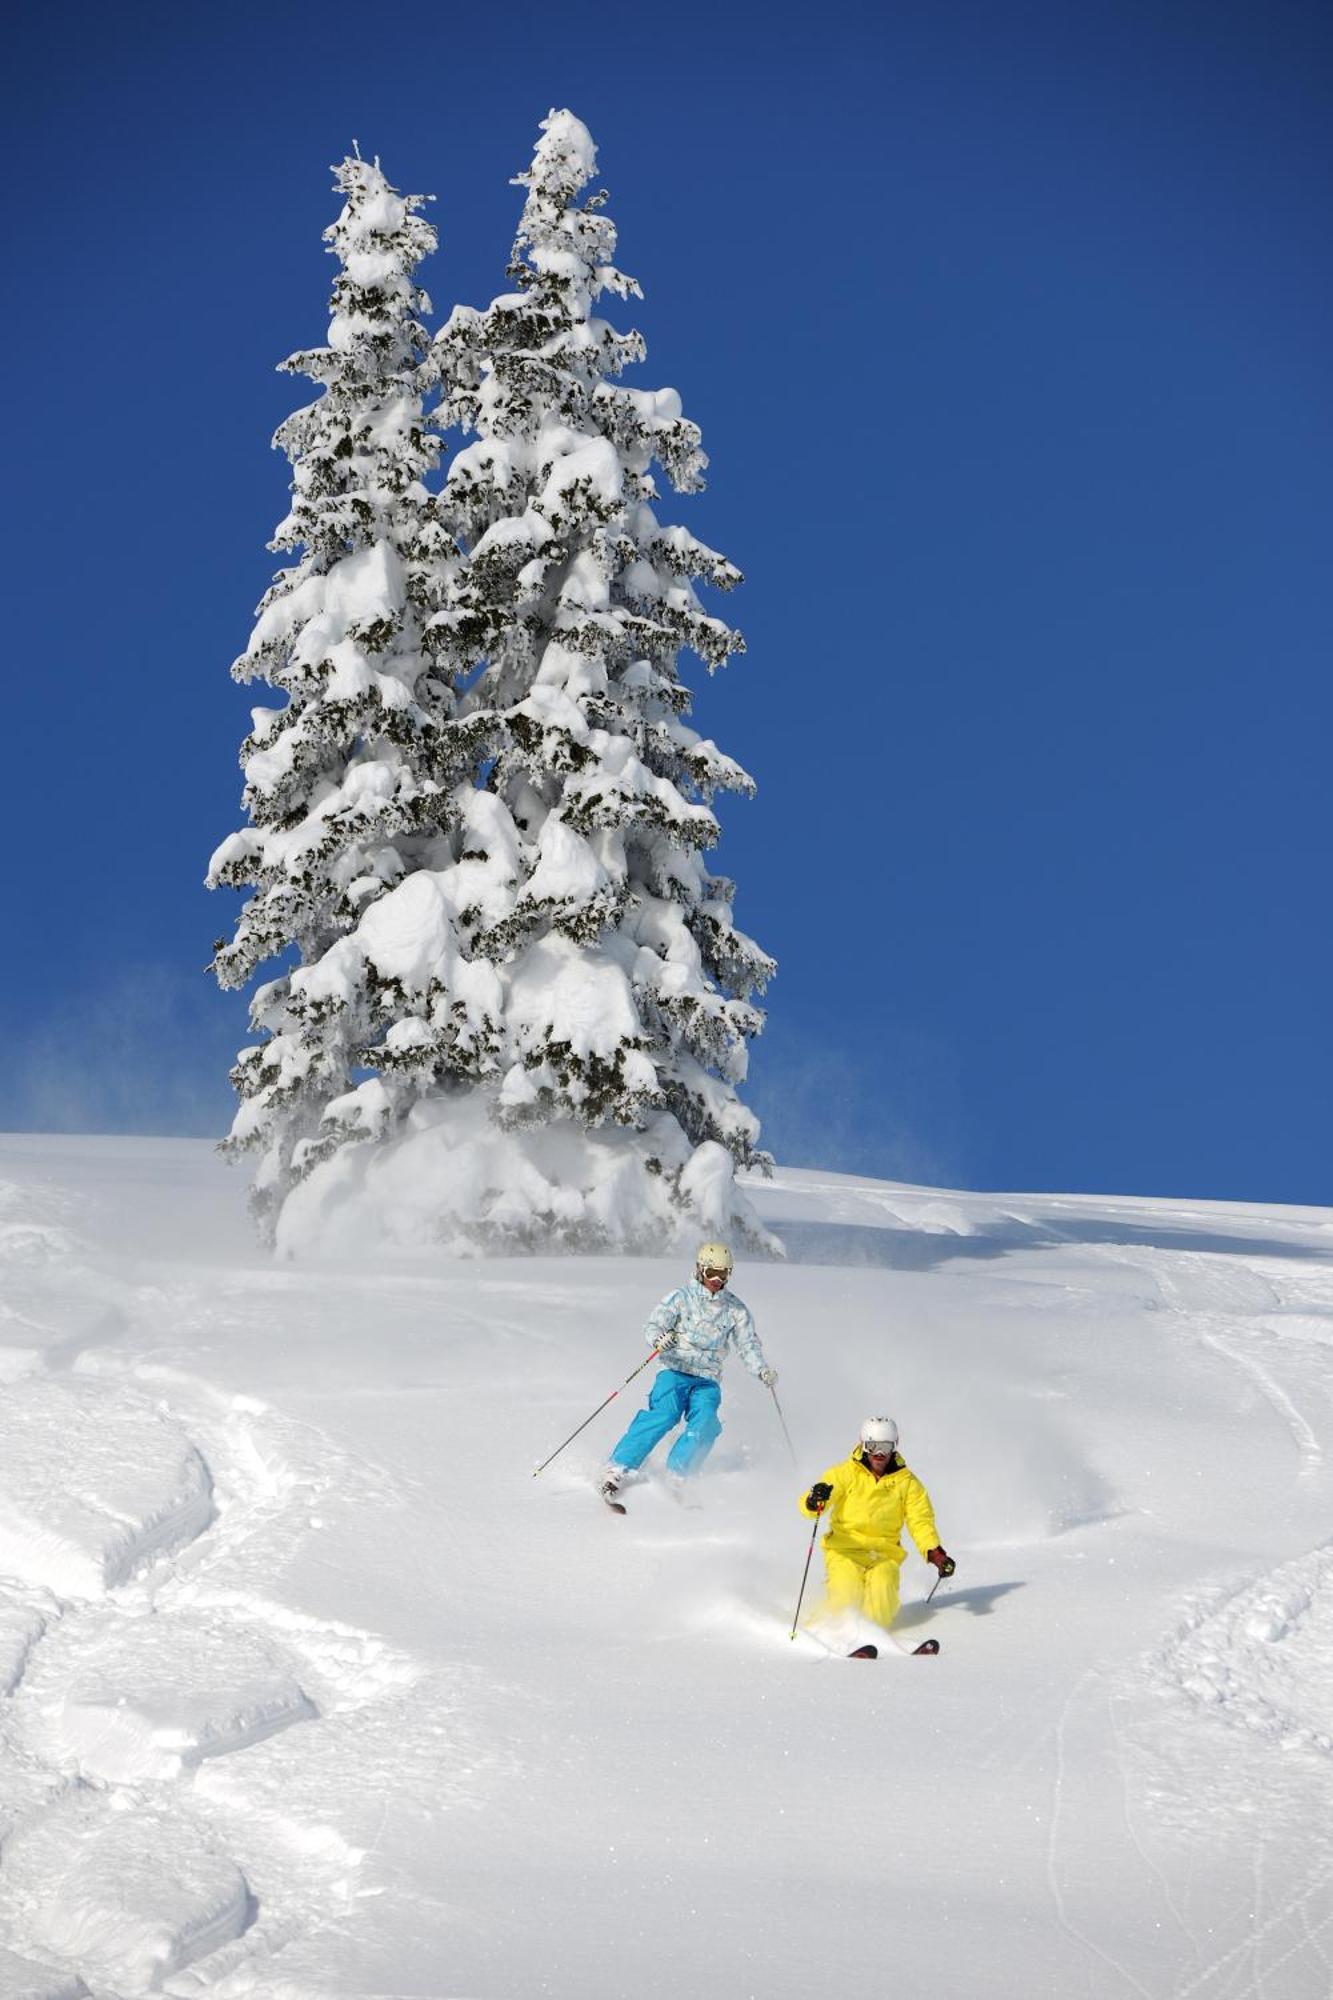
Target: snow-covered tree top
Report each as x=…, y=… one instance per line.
x=564, y=159
x=379, y=232
x=562, y=251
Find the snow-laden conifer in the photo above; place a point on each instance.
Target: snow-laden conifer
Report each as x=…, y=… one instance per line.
x=519, y=1010
x=627, y=989
x=347, y=778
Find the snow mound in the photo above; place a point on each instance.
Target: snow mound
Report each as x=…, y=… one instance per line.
x=1263, y=1661
x=128, y=1895
x=51, y=1302
x=1208, y=1285
x=93, y=1484
x=791, y=1196
x=20, y=1979
x=554, y=1184
x=27, y=1789
x=139, y=1698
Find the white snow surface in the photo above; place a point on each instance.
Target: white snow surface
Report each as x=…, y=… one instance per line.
x=309, y=1689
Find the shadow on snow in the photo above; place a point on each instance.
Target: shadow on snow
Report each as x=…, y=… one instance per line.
x=980, y=1599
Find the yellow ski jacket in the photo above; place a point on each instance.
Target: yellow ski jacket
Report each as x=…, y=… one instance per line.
x=866, y=1515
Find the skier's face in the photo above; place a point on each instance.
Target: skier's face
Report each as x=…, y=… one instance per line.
x=878, y=1461
x=712, y=1280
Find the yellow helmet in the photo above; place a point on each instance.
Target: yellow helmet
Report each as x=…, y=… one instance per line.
x=713, y=1257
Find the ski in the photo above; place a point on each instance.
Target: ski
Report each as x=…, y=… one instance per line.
x=927, y=1646
x=865, y=1653
x=616, y=1506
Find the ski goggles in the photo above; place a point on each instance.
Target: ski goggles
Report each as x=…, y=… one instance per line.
x=711, y=1271
x=878, y=1447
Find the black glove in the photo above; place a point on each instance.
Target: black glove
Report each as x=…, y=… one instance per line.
x=818, y=1497
x=945, y=1564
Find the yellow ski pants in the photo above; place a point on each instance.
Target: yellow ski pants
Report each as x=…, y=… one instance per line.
x=869, y=1587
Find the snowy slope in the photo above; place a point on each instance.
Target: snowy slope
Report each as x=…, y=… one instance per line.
x=308, y=1688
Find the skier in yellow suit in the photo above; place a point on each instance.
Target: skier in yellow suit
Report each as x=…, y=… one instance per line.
x=869, y=1499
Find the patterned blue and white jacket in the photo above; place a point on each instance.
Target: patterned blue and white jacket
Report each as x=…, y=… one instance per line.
x=702, y=1327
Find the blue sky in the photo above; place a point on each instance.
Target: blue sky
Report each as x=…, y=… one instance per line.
x=1008, y=329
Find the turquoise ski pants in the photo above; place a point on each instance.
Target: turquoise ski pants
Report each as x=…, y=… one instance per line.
x=675, y=1396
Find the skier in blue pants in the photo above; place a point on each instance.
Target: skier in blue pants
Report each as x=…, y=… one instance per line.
x=691, y=1328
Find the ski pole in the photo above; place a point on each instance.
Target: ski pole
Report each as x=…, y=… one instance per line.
x=804, y=1576
x=783, y=1421
x=940, y=1576
x=653, y=1356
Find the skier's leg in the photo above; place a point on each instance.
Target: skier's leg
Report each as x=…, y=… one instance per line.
x=844, y=1582
x=702, y=1428
x=880, y=1600
x=664, y=1410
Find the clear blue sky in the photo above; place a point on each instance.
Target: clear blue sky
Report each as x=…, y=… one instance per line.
x=1009, y=331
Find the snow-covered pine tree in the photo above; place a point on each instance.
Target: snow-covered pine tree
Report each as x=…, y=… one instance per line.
x=627, y=988
x=348, y=780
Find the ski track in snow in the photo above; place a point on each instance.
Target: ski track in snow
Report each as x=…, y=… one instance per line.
x=1253, y=1663
x=1053, y=1869
x=135, y=1665
x=1220, y=1298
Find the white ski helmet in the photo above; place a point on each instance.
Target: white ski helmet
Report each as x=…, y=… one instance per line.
x=879, y=1434
x=713, y=1257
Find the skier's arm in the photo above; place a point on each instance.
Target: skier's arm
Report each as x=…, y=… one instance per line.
x=664, y=1322
x=920, y=1516
x=834, y=1484
x=747, y=1345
